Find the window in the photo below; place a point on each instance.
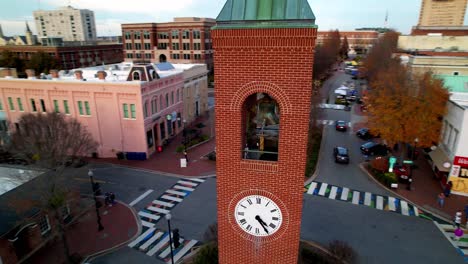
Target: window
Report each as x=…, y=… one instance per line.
x=186, y=56
x=196, y=34
x=88, y=110
x=136, y=76
x=65, y=211
x=129, y=55
x=175, y=34
x=177, y=96
x=138, y=55
x=175, y=46
x=145, y=110
x=167, y=100
x=197, y=46
x=186, y=46
x=20, y=104
x=163, y=35
x=128, y=46
x=133, y=111
x=172, y=97
x=162, y=45
x=261, y=127
x=154, y=106
x=33, y=105
x=138, y=46
x=186, y=34
x=146, y=35
x=125, y=110
x=149, y=138
x=65, y=107
x=56, y=106
x=147, y=46
x=43, y=106
x=137, y=35
x=80, y=107
x=44, y=224
x=147, y=55
x=456, y=73
x=175, y=56
x=1, y=106
x=128, y=35
x=197, y=56
x=162, y=129
x=10, y=102
x=161, y=106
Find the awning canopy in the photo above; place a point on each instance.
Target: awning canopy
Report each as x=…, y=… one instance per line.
x=439, y=157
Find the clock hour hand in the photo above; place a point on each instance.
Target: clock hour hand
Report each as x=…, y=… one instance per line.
x=263, y=224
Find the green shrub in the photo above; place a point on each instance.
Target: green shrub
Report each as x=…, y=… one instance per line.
x=208, y=254
x=180, y=149
x=205, y=137
x=387, y=178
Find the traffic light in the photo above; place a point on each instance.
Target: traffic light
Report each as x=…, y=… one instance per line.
x=176, y=237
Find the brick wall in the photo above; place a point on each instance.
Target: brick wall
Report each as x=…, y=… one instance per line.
x=278, y=62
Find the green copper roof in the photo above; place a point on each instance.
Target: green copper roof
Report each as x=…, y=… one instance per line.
x=265, y=14
x=455, y=83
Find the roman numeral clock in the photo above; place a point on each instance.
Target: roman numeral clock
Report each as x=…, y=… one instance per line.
x=263, y=56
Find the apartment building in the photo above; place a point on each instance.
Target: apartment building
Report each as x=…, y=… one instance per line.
x=185, y=40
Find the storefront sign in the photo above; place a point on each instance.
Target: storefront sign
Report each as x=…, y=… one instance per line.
x=462, y=161
x=455, y=171
x=459, y=175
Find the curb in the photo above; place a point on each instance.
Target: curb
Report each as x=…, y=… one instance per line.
x=111, y=249
x=317, y=166
x=361, y=166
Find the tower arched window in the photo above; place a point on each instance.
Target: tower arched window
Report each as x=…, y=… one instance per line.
x=136, y=75
x=261, y=120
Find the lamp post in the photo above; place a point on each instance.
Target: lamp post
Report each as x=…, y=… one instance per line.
x=168, y=218
x=416, y=140
x=185, y=135
x=90, y=174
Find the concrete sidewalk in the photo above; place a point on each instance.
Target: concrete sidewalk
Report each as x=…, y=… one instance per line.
x=168, y=161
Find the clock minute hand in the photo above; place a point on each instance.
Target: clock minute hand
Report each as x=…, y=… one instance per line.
x=263, y=224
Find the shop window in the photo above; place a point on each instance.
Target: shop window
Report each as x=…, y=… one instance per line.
x=261, y=123
x=149, y=138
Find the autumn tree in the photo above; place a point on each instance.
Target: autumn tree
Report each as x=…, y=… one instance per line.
x=49, y=141
x=326, y=54
x=11, y=60
x=344, y=48
x=42, y=62
x=379, y=57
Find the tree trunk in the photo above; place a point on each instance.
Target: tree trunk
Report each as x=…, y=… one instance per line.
x=63, y=236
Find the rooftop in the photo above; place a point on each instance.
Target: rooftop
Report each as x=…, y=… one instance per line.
x=11, y=178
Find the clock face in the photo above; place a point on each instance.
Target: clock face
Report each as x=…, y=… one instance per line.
x=258, y=215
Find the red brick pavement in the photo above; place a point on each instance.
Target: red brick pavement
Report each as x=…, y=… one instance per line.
x=168, y=161
x=120, y=226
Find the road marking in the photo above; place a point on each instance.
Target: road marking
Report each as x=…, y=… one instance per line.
x=150, y=216
x=141, y=237
x=184, y=250
x=171, y=198
x=355, y=197
x=416, y=211
x=157, y=202
x=157, y=210
x=166, y=252
x=333, y=192
x=367, y=199
x=151, y=241
x=183, y=188
x=196, y=180
x=158, y=246
x=323, y=188
x=187, y=183
x=344, y=194
x=391, y=204
x=176, y=192
x=147, y=224
x=312, y=187
x=379, y=203
x=140, y=197
x=331, y=122
x=404, y=208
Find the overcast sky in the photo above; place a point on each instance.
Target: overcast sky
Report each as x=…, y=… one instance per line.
x=109, y=14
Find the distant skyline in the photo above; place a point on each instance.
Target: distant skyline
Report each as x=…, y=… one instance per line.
x=331, y=14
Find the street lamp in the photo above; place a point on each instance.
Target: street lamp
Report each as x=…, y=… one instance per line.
x=168, y=218
x=90, y=174
x=416, y=140
x=185, y=135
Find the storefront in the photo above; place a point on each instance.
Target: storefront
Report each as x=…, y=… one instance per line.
x=459, y=176
x=440, y=164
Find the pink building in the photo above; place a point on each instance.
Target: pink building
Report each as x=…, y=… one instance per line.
x=127, y=107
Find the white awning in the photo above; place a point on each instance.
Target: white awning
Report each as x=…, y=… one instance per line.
x=439, y=157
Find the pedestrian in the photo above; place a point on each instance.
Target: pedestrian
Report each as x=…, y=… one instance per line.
x=441, y=199
x=458, y=233
x=112, y=198
x=448, y=189
x=457, y=219
x=185, y=155
x=410, y=180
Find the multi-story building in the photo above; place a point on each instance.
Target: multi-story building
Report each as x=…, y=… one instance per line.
x=359, y=41
x=67, y=22
x=185, y=40
x=129, y=108
x=449, y=63
x=442, y=13
x=70, y=57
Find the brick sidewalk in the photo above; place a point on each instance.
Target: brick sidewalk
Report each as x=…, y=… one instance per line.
x=168, y=161
x=120, y=226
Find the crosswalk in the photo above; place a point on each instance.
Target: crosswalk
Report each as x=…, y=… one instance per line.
x=461, y=245
x=356, y=197
x=155, y=242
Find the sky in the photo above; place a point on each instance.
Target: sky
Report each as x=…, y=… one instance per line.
x=330, y=14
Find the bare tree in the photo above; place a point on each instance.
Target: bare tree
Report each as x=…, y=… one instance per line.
x=50, y=141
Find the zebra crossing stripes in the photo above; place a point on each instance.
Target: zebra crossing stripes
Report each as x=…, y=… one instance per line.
x=151, y=240
x=142, y=237
x=356, y=197
x=159, y=245
x=171, y=198
x=176, y=192
x=183, y=251
x=461, y=245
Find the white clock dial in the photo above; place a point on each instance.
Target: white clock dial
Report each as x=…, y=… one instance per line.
x=258, y=215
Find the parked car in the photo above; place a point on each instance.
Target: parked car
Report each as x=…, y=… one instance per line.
x=373, y=148
x=341, y=125
x=364, y=133
x=341, y=155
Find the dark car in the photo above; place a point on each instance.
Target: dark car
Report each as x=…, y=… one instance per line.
x=373, y=148
x=341, y=155
x=365, y=133
x=341, y=125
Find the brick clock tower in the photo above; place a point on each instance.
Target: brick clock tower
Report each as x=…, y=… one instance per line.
x=264, y=52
